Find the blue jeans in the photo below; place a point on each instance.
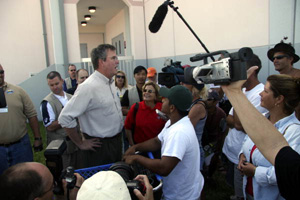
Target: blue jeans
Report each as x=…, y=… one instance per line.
x=16, y=153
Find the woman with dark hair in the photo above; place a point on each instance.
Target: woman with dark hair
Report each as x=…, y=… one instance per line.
x=143, y=119
x=280, y=97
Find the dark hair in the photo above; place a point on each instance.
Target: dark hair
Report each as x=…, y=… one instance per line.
x=138, y=69
x=255, y=61
x=70, y=65
x=288, y=87
x=20, y=183
x=53, y=74
x=180, y=112
x=100, y=52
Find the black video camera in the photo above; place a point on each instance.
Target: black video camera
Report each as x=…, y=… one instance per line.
x=168, y=76
x=127, y=172
x=232, y=67
x=53, y=155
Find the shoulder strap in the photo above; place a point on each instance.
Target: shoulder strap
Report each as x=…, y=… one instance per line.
x=196, y=101
x=136, y=107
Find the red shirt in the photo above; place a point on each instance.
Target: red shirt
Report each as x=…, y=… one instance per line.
x=147, y=125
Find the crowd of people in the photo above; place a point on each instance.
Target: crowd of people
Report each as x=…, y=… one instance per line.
x=105, y=120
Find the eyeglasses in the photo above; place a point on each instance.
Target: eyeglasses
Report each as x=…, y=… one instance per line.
x=1, y=71
x=149, y=91
x=279, y=57
x=73, y=70
x=119, y=76
x=50, y=189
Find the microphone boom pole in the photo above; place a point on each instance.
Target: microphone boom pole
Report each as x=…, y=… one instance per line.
x=170, y=3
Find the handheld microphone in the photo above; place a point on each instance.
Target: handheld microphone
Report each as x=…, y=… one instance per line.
x=158, y=17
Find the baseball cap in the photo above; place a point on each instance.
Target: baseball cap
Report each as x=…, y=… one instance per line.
x=178, y=95
x=213, y=95
x=104, y=185
x=151, y=71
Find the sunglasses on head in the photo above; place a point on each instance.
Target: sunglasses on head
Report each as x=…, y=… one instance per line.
x=119, y=76
x=279, y=57
x=149, y=91
x=1, y=71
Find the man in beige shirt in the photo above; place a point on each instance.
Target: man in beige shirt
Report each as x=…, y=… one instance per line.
x=14, y=141
x=98, y=110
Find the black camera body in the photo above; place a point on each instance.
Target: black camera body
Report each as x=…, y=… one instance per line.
x=53, y=155
x=232, y=67
x=127, y=172
x=71, y=179
x=168, y=76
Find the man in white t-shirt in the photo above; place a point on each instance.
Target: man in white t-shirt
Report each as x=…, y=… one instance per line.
x=179, y=164
x=234, y=140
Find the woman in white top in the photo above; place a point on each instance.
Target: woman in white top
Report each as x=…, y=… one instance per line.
x=280, y=97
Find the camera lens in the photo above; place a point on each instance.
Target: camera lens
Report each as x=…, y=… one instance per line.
x=124, y=170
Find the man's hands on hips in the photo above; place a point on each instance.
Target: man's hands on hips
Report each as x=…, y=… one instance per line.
x=90, y=144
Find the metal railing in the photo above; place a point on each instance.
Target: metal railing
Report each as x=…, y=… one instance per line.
x=126, y=64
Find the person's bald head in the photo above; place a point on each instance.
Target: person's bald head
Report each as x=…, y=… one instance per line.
x=29, y=180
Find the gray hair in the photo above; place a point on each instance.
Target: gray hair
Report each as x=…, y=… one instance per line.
x=100, y=52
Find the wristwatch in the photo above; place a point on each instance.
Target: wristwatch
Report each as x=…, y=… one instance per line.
x=38, y=138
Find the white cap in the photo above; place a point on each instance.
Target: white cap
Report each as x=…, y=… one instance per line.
x=104, y=185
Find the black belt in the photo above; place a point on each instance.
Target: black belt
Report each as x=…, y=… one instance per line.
x=9, y=144
x=106, y=138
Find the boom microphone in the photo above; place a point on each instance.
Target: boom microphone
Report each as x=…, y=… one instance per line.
x=159, y=17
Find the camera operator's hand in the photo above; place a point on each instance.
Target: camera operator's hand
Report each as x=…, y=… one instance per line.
x=237, y=85
x=149, y=189
x=73, y=192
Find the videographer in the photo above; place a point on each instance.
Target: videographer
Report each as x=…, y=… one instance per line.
x=30, y=180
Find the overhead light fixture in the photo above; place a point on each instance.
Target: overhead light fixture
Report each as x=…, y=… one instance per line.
x=92, y=9
x=87, y=17
x=83, y=23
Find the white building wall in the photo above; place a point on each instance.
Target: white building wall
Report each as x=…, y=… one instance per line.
x=21, y=42
x=115, y=27
x=72, y=33
x=92, y=40
x=220, y=25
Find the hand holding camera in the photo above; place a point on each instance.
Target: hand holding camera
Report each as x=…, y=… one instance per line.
x=149, y=189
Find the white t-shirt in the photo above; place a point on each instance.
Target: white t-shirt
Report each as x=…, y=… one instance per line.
x=180, y=141
x=234, y=140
